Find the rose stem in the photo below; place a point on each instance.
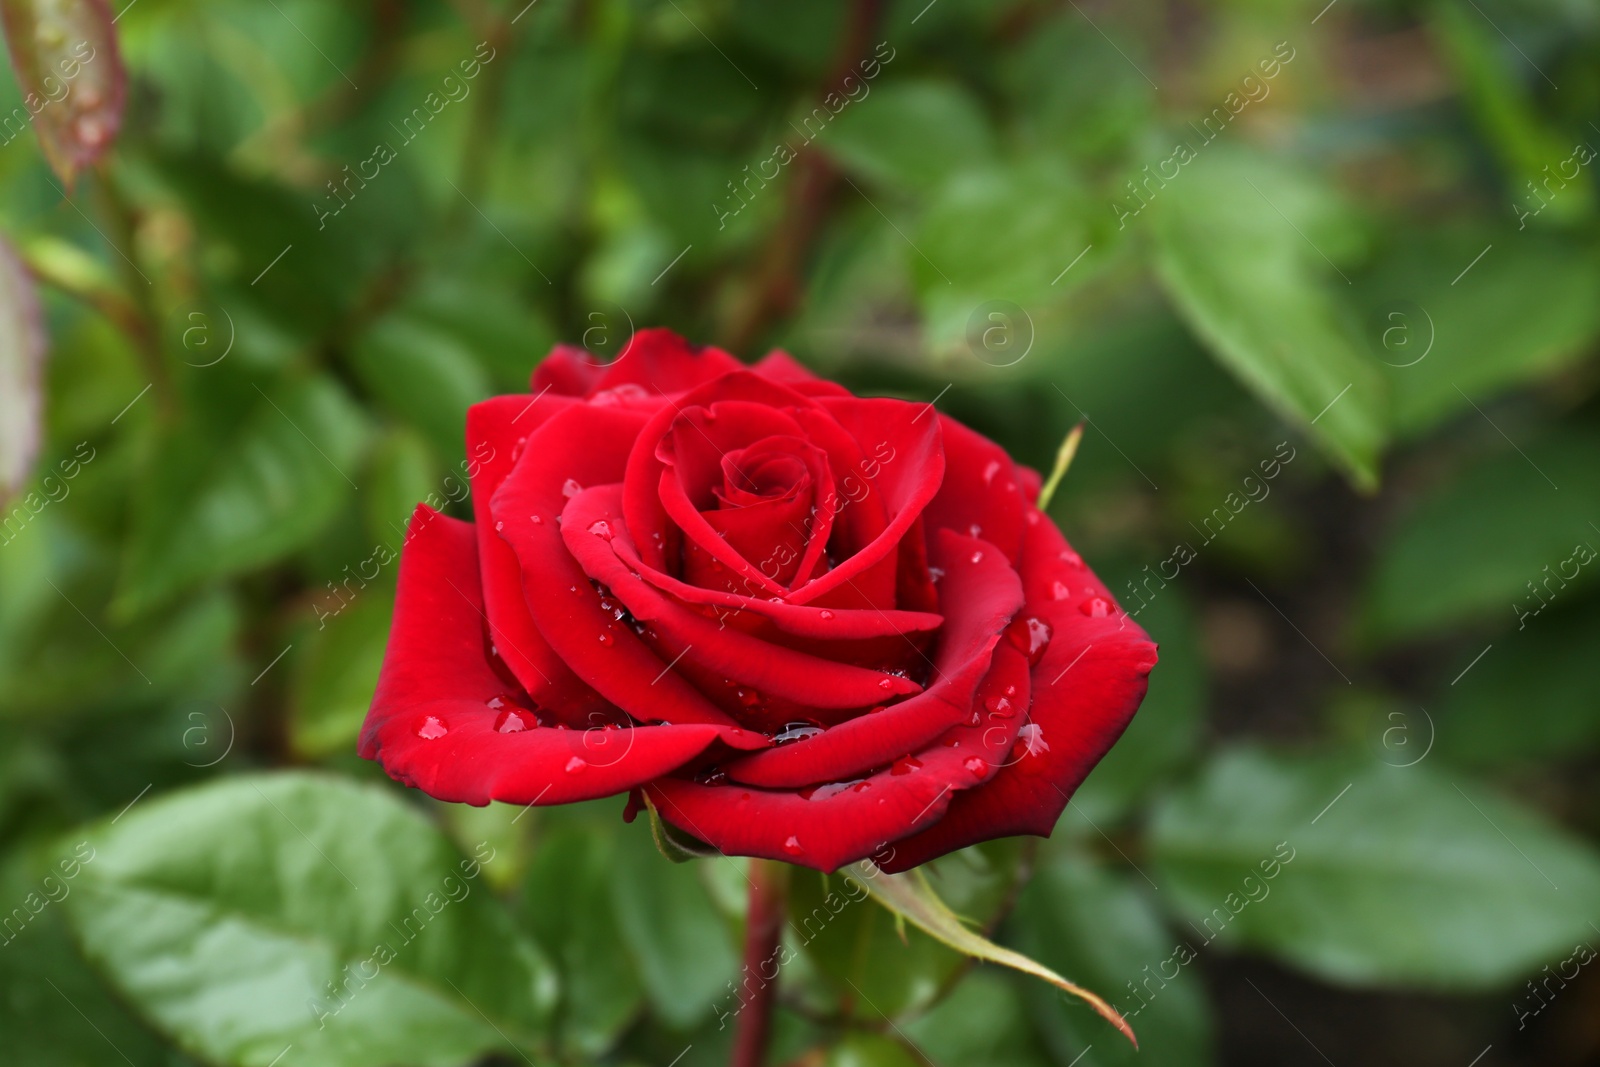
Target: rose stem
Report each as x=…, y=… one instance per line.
x=769, y=892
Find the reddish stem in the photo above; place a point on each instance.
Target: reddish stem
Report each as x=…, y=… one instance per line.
x=769, y=892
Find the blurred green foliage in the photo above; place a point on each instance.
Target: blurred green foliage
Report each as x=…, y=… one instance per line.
x=1360, y=236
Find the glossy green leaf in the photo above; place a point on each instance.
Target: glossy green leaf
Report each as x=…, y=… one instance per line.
x=218, y=507
x=1104, y=929
x=1360, y=872
x=682, y=948
x=868, y=963
x=1250, y=254
x=572, y=869
x=1497, y=540
x=1546, y=668
x=908, y=134
x=54, y=1010
x=267, y=912
x=22, y=351
x=911, y=897
x=336, y=669
x=425, y=376
x=1451, y=337
x=67, y=62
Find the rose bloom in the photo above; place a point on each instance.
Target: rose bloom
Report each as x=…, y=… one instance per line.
x=801, y=624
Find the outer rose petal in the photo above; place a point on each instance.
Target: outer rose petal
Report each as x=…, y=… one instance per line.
x=494, y=428
x=431, y=725
x=1086, y=688
x=782, y=367
x=981, y=494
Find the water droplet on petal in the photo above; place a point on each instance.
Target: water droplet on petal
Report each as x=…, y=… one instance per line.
x=536, y=520
x=1060, y=590
x=601, y=529
x=510, y=722
x=498, y=526
x=576, y=764
x=824, y=614
x=905, y=765
x=1032, y=738
x=516, y=449
x=1030, y=635
x=1000, y=706
x=1011, y=690
x=570, y=488
x=935, y=573
x=1070, y=558
x=792, y=846
x=990, y=471
x=1096, y=607
x=432, y=728
x=885, y=683
x=975, y=530
x=977, y=557
x=606, y=639
x=975, y=766
x=796, y=731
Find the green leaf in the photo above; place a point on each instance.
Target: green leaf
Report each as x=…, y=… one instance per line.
x=1102, y=928
x=70, y=70
x=424, y=375
x=681, y=946
x=1248, y=253
x=270, y=911
x=983, y=1021
x=22, y=350
x=46, y=990
x=1483, y=543
x=872, y=1050
x=1549, y=671
x=1360, y=872
x=908, y=134
x=337, y=670
x=872, y=966
x=911, y=897
x=1524, y=312
x=573, y=869
x=214, y=508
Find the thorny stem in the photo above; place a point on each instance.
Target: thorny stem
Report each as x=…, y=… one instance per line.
x=769, y=893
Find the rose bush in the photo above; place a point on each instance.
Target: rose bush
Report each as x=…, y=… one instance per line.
x=801, y=624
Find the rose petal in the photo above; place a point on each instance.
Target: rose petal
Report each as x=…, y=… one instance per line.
x=591, y=527
x=981, y=494
x=496, y=429
x=439, y=700
x=981, y=594
x=1086, y=688
x=586, y=445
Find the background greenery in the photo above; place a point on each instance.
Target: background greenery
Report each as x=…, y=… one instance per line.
x=1381, y=658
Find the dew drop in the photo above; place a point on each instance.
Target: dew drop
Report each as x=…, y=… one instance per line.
x=748, y=697
x=432, y=729
x=792, y=846
x=824, y=614
x=795, y=731
x=975, y=766
x=1060, y=590
x=885, y=684
x=536, y=520
x=516, y=449
x=510, y=722
x=905, y=765
x=1030, y=635
x=951, y=742
x=576, y=764
x=570, y=488
x=494, y=702
x=601, y=529
x=935, y=573
x=1000, y=706
x=1032, y=738
x=975, y=530
x=974, y=719
x=977, y=557
x=1011, y=690
x=606, y=639
x=1096, y=607
x=498, y=526
x=1070, y=558
x=990, y=471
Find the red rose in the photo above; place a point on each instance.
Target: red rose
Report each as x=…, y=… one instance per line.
x=806, y=625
